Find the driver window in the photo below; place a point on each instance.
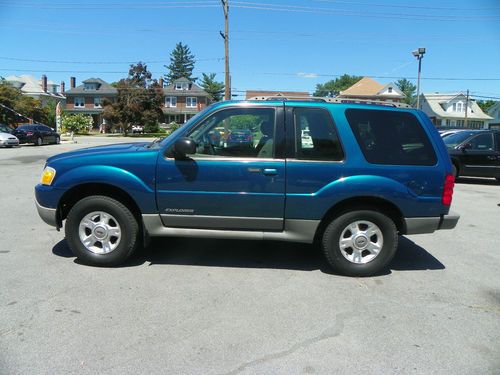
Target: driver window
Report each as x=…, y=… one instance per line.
x=482, y=142
x=236, y=132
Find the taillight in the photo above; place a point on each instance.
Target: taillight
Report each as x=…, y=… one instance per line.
x=449, y=183
x=29, y=133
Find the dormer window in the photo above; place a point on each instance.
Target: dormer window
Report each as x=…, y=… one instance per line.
x=182, y=86
x=90, y=86
x=389, y=90
x=460, y=107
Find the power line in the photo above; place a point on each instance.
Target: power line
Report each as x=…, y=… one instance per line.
x=265, y=73
x=99, y=62
x=405, y=6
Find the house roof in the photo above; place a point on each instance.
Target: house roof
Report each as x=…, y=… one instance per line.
x=253, y=93
x=365, y=87
x=194, y=89
x=103, y=88
x=436, y=102
x=30, y=85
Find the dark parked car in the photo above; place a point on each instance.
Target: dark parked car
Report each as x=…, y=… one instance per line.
x=37, y=134
x=475, y=153
x=239, y=137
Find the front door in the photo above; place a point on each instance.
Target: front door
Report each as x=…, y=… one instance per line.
x=479, y=157
x=235, y=181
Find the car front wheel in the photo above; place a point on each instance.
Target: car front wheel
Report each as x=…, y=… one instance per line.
x=38, y=141
x=101, y=231
x=360, y=243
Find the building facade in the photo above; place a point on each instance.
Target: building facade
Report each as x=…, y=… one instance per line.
x=494, y=112
x=88, y=98
x=183, y=100
x=40, y=89
x=454, y=111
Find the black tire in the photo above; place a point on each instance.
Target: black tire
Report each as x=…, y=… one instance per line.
x=38, y=141
x=497, y=178
x=58, y=140
x=454, y=171
x=334, y=255
x=127, y=244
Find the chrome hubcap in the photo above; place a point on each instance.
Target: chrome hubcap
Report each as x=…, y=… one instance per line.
x=99, y=232
x=361, y=242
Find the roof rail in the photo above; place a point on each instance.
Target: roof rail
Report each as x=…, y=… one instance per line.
x=332, y=100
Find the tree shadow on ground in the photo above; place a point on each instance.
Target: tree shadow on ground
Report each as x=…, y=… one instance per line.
x=257, y=254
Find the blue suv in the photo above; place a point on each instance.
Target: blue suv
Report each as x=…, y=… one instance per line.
x=350, y=177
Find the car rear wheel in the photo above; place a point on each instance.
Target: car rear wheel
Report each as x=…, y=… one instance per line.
x=39, y=141
x=58, y=140
x=454, y=171
x=360, y=243
x=101, y=231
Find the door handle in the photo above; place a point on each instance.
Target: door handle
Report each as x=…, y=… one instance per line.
x=270, y=171
x=492, y=157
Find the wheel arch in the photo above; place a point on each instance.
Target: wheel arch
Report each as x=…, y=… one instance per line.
x=362, y=203
x=76, y=193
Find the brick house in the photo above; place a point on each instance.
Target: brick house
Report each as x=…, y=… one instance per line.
x=369, y=89
x=88, y=97
x=183, y=99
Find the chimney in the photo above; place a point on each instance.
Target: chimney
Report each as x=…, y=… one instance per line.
x=62, y=87
x=72, y=82
x=44, y=83
x=160, y=81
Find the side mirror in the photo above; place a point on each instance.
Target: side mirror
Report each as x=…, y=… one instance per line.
x=466, y=146
x=184, y=146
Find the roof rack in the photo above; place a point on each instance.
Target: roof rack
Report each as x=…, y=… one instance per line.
x=332, y=100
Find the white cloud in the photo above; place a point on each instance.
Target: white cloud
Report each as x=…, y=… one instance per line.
x=307, y=75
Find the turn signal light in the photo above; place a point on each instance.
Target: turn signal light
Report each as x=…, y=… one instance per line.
x=48, y=176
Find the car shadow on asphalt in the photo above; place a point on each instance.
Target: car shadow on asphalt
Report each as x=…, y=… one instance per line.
x=477, y=181
x=257, y=254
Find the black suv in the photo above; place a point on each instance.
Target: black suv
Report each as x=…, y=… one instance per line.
x=37, y=134
x=475, y=153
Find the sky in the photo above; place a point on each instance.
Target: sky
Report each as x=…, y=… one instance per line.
x=274, y=44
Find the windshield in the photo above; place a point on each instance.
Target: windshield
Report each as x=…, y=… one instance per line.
x=454, y=140
x=26, y=127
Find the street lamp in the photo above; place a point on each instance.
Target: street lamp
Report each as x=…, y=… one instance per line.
x=419, y=54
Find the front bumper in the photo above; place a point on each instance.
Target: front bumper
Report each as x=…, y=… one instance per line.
x=9, y=142
x=49, y=215
x=420, y=225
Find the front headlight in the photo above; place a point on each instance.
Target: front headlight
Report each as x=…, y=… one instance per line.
x=48, y=175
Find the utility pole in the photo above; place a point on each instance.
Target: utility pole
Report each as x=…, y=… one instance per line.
x=419, y=54
x=466, y=106
x=225, y=36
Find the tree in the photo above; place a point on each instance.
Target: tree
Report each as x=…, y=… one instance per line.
x=408, y=89
x=78, y=123
x=14, y=99
x=50, y=109
x=181, y=64
x=213, y=88
x=485, y=104
x=139, y=100
x=333, y=87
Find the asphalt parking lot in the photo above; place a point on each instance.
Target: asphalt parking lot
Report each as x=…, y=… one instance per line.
x=240, y=307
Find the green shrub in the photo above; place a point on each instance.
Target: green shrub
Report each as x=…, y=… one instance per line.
x=79, y=123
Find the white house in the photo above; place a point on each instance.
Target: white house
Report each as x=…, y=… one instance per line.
x=40, y=89
x=448, y=111
x=494, y=111
x=369, y=89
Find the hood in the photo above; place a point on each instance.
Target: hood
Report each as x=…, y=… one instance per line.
x=99, y=150
x=5, y=136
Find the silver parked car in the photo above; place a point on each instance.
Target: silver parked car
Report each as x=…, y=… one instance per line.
x=8, y=140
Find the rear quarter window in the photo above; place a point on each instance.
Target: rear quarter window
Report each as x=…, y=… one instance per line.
x=391, y=137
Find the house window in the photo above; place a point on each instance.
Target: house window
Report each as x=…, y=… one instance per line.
x=182, y=86
x=460, y=107
x=89, y=86
x=389, y=90
x=170, y=101
x=97, y=103
x=79, y=102
x=191, y=102
x=460, y=123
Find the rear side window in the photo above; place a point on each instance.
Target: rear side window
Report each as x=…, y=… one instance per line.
x=390, y=137
x=316, y=136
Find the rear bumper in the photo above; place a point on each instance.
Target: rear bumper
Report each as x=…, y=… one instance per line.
x=49, y=215
x=420, y=225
